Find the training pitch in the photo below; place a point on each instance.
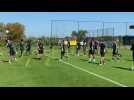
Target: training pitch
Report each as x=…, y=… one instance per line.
x=74, y=71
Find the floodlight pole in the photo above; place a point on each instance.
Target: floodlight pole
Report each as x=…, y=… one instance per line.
x=126, y=28
x=113, y=32
x=51, y=33
x=78, y=25
x=103, y=26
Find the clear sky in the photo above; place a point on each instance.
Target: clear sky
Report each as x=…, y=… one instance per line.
x=38, y=23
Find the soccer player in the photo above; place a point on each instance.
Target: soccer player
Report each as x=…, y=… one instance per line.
x=78, y=49
x=96, y=46
x=51, y=47
x=21, y=47
x=28, y=47
x=17, y=46
x=91, y=52
x=84, y=47
x=68, y=45
x=12, y=53
x=115, y=51
x=102, y=52
x=40, y=48
x=62, y=49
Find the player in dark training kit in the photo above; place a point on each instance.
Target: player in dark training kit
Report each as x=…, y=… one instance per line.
x=40, y=48
x=96, y=47
x=21, y=47
x=102, y=52
x=115, y=51
x=78, y=49
x=28, y=47
x=12, y=53
x=91, y=52
x=84, y=47
x=62, y=47
x=68, y=45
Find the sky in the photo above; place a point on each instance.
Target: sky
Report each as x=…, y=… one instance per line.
x=39, y=23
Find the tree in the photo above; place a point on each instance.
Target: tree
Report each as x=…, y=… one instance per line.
x=81, y=34
x=2, y=27
x=16, y=30
x=74, y=33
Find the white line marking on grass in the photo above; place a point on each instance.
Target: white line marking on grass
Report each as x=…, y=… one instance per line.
x=89, y=72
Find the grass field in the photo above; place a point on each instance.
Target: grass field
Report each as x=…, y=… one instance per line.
x=74, y=71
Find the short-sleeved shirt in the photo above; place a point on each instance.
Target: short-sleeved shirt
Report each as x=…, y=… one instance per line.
x=40, y=46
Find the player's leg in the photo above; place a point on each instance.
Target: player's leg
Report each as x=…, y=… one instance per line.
x=84, y=50
x=100, y=60
x=118, y=56
x=113, y=55
x=62, y=54
x=90, y=55
x=78, y=52
x=103, y=58
x=14, y=55
x=93, y=53
x=10, y=59
x=21, y=52
x=41, y=53
x=133, y=56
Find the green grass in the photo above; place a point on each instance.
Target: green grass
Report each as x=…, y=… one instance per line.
x=50, y=72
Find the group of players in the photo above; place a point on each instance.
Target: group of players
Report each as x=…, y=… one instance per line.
x=23, y=48
x=94, y=47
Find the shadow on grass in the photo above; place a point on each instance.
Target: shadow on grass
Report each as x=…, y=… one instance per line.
x=129, y=60
x=37, y=58
x=83, y=59
x=42, y=58
x=4, y=60
x=121, y=68
x=108, y=60
x=94, y=63
x=89, y=62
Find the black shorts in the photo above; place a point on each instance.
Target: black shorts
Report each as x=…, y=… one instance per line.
x=102, y=53
x=27, y=49
x=114, y=52
x=62, y=52
x=12, y=52
x=78, y=49
x=92, y=52
x=40, y=51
